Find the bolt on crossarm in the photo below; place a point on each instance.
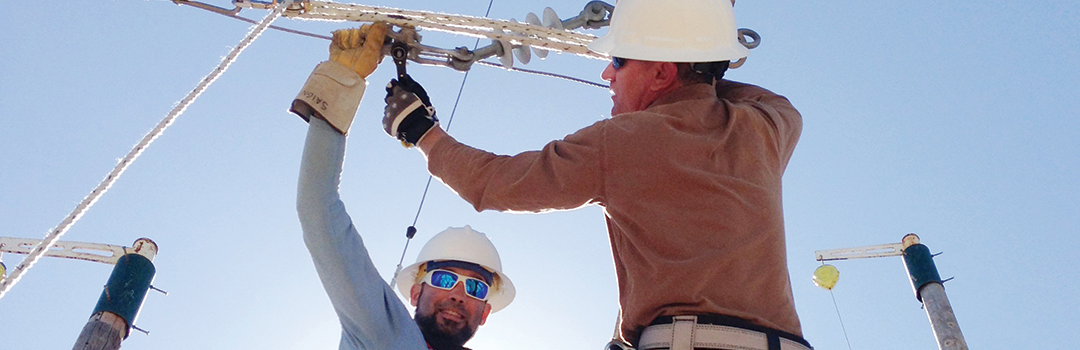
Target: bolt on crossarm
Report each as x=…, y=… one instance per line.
x=925, y=281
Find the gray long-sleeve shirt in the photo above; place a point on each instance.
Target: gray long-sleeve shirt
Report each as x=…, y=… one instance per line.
x=371, y=315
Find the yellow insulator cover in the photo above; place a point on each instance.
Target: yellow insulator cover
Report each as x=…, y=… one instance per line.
x=826, y=276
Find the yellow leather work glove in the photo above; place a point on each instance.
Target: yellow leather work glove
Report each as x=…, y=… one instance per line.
x=359, y=48
x=334, y=89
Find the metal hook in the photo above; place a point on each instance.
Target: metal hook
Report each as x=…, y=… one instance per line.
x=596, y=14
x=744, y=32
x=736, y=64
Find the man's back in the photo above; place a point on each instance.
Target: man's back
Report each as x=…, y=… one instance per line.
x=692, y=191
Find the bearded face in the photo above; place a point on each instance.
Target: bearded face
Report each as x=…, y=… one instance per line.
x=448, y=318
x=446, y=327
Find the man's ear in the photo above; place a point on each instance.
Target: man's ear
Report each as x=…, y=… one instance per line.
x=667, y=76
x=414, y=294
x=484, y=316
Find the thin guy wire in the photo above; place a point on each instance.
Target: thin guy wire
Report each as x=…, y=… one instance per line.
x=451, y=120
x=841, y=319
x=544, y=74
x=56, y=233
x=428, y=185
x=283, y=29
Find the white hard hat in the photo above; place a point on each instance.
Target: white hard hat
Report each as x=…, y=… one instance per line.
x=466, y=245
x=672, y=31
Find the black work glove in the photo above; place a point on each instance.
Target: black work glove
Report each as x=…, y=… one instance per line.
x=408, y=115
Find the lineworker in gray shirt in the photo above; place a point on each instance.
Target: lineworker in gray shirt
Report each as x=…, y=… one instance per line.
x=457, y=280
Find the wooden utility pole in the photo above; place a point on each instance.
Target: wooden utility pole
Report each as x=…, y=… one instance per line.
x=928, y=289
x=104, y=331
x=121, y=299
x=114, y=316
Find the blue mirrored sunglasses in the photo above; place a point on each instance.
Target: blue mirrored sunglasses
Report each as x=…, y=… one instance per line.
x=617, y=62
x=447, y=280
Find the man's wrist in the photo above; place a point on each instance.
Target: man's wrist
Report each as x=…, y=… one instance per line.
x=332, y=93
x=430, y=139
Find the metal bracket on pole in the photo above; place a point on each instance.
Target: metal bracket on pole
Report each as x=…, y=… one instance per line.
x=873, y=251
x=96, y=252
x=924, y=279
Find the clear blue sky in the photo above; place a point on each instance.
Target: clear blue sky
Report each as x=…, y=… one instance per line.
x=954, y=120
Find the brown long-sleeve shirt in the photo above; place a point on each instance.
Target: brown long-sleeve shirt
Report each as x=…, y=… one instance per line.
x=691, y=191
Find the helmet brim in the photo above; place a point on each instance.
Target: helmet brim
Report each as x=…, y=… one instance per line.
x=607, y=45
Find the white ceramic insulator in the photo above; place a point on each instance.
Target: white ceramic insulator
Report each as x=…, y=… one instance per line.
x=533, y=19
x=522, y=51
x=551, y=19
x=507, y=58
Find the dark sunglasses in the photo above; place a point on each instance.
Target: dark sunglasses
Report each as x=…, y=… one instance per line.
x=618, y=62
x=447, y=280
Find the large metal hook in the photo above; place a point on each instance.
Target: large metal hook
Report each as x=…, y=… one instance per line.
x=752, y=44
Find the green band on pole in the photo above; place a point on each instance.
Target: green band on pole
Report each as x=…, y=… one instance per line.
x=127, y=287
x=920, y=267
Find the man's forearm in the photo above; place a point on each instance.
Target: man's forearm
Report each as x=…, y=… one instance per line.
x=320, y=175
x=371, y=315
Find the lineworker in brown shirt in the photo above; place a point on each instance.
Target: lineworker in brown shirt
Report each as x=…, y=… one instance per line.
x=688, y=171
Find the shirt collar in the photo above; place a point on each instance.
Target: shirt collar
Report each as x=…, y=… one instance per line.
x=686, y=92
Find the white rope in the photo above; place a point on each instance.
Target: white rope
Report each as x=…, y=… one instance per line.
x=514, y=32
x=90, y=199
